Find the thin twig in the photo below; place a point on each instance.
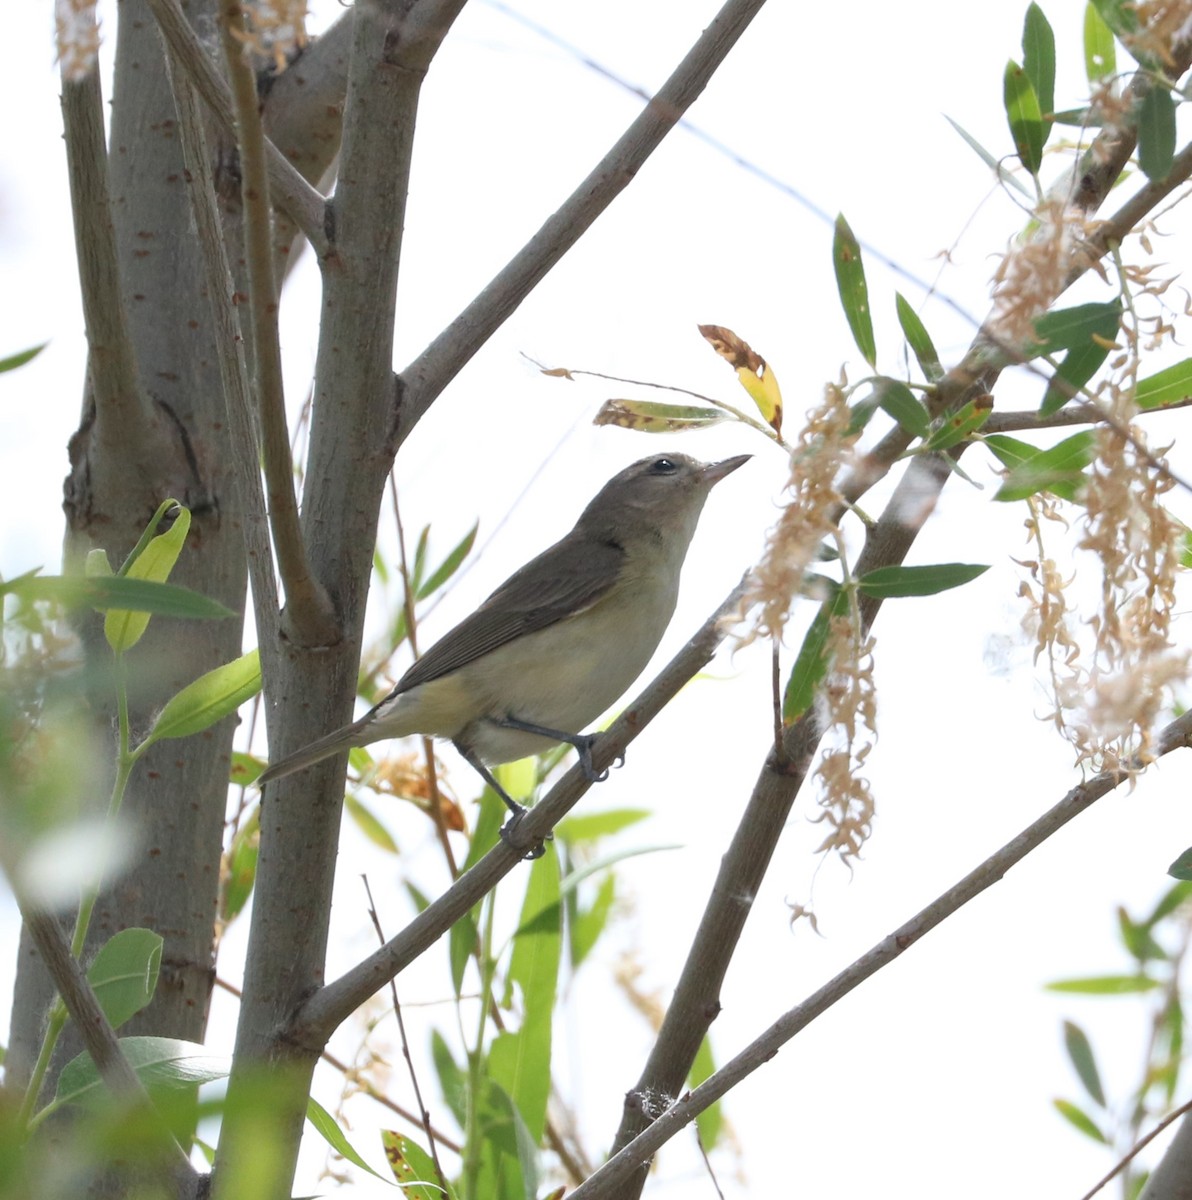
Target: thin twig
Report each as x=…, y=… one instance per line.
x=424, y=1117
x=1070, y=414
x=299, y=199
x=233, y=373
x=97, y=1034
x=309, y=616
x=1137, y=1148
x=611, y=1177
x=418, y=386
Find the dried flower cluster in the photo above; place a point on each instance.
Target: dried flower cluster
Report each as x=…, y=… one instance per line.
x=1033, y=272
x=850, y=701
x=1162, y=25
x=77, y=33
x=809, y=516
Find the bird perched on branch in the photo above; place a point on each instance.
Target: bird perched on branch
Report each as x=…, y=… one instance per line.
x=560, y=641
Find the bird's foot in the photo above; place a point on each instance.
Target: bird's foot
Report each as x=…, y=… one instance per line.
x=509, y=830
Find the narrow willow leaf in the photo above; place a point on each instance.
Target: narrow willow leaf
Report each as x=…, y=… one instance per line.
x=334, y=1136
x=1058, y=469
x=1100, y=56
x=117, y=592
x=1038, y=57
x=904, y=406
x=1156, y=133
x=213, y=696
x=812, y=662
x=1079, y=365
x=413, y=1168
x=1081, y=118
x=960, y=425
x=591, y=827
x=158, y=1062
x=1182, y=867
x=1080, y=1053
x=753, y=371
x=156, y=560
x=709, y=1123
x=588, y=924
x=1105, y=985
x=651, y=416
x=12, y=361
x=1025, y=117
x=854, y=292
x=369, y=824
x=1118, y=15
x=450, y=564
x=1073, y=328
x=240, y=874
x=1081, y=1120
x=1169, y=386
x=124, y=973
x=891, y=583
x=419, y=559
x=918, y=339
x=453, y=1081
x=1009, y=451
x=1006, y=177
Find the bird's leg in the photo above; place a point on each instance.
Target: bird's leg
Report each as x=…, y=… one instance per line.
x=583, y=743
x=517, y=810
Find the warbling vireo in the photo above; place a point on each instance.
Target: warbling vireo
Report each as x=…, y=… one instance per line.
x=560, y=641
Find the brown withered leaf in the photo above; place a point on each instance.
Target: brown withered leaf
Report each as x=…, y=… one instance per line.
x=650, y=416
x=733, y=349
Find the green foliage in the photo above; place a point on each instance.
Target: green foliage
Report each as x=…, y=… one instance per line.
x=854, y=292
x=1025, y=117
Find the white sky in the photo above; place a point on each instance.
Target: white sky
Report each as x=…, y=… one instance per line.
x=942, y=1068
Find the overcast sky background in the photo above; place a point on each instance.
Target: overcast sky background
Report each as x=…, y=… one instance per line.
x=938, y=1074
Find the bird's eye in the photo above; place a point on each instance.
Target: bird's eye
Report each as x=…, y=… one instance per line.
x=664, y=466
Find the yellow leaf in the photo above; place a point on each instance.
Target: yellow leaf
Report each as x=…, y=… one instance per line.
x=123, y=628
x=752, y=370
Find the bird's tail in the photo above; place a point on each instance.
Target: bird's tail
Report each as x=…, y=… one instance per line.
x=341, y=739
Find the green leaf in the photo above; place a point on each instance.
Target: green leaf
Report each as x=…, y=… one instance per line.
x=213, y=696
x=958, y=426
x=508, y=1152
x=335, y=1137
x=591, y=827
x=651, y=416
x=1182, y=867
x=1137, y=940
x=158, y=1062
x=812, y=662
x=918, y=339
x=462, y=940
x=1004, y=176
x=891, y=583
x=898, y=401
x=1100, y=56
x=152, y=561
x=1025, y=117
x=1080, y=1052
x=453, y=1081
x=1156, y=133
x=1077, y=368
x=419, y=560
x=449, y=565
x=1118, y=15
x=413, y=1168
x=1009, y=451
x=1038, y=57
x=117, y=592
x=369, y=823
x=124, y=973
x=1169, y=386
x=1057, y=469
x=588, y=923
x=1105, y=985
x=21, y=357
x=521, y=1062
x=241, y=874
x=709, y=1123
x=1075, y=327
x=854, y=292
x=1177, y=894
x=1081, y=1119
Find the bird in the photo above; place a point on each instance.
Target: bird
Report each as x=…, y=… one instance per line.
x=559, y=642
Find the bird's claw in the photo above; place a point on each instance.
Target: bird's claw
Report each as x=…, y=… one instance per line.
x=528, y=854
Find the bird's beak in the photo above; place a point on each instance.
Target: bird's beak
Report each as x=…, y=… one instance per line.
x=715, y=472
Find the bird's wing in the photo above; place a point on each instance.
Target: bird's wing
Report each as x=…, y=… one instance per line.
x=562, y=581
